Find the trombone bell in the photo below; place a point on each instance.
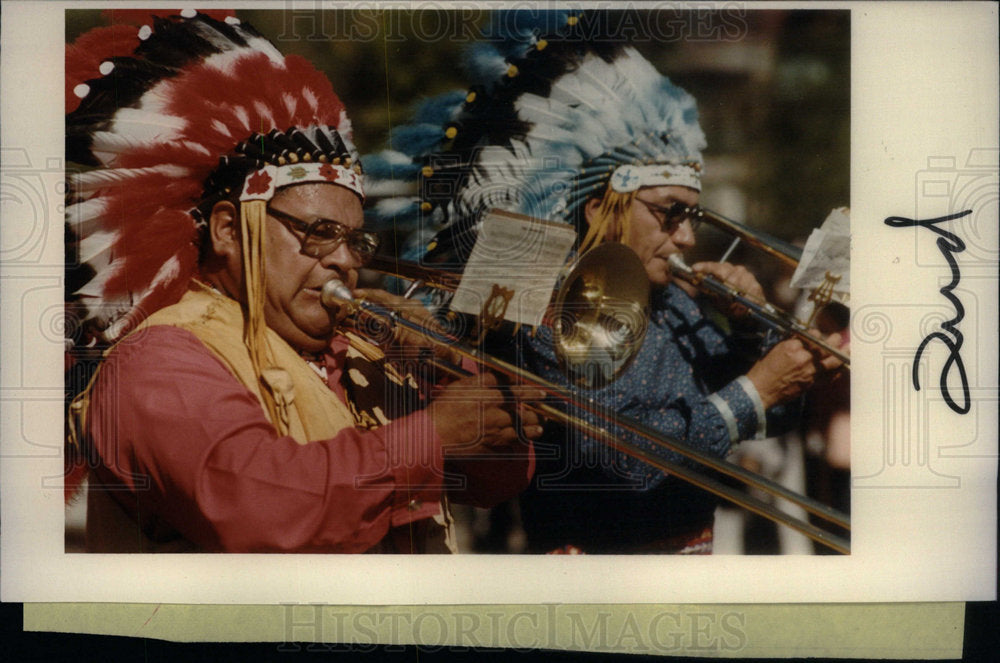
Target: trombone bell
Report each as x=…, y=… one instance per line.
x=601, y=313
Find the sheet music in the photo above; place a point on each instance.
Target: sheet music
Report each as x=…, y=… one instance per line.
x=518, y=253
x=828, y=250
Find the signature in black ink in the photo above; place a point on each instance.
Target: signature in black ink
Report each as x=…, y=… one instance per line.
x=949, y=244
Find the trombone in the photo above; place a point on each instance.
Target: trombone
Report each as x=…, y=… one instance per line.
x=764, y=312
x=599, y=320
x=780, y=249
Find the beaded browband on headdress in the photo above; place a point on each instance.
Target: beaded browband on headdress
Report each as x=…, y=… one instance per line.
x=264, y=163
x=558, y=114
x=174, y=114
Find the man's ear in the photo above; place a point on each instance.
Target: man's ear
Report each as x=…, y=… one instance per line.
x=224, y=230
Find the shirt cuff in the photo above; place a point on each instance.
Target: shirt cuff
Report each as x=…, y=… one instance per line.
x=416, y=462
x=741, y=409
x=758, y=406
x=727, y=416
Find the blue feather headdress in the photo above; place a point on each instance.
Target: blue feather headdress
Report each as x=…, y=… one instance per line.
x=555, y=116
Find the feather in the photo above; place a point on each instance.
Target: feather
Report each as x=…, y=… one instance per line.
x=97, y=179
x=91, y=292
x=440, y=109
x=150, y=112
x=111, y=143
x=544, y=138
x=515, y=31
x=390, y=164
x=484, y=64
x=394, y=213
x=536, y=109
x=168, y=286
x=392, y=207
x=416, y=139
x=147, y=127
x=386, y=189
x=146, y=249
x=85, y=217
x=95, y=248
x=85, y=55
x=400, y=224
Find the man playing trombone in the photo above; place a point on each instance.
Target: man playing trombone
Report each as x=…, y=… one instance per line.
x=232, y=414
x=568, y=127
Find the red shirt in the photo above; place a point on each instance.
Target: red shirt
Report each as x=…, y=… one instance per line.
x=194, y=450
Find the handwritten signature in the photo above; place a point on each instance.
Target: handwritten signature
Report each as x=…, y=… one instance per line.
x=949, y=244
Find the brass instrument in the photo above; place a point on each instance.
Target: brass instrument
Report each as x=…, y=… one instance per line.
x=601, y=318
x=762, y=311
x=592, y=316
x=780, y=249
x=787, y=253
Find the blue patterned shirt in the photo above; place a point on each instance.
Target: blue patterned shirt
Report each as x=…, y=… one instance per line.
x=687, y=382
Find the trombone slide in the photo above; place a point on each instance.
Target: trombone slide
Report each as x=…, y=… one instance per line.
x=762, y=311
x=335, y=295
x=780, y=249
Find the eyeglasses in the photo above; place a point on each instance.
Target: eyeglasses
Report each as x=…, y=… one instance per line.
x=670, y=218
x=323, y=236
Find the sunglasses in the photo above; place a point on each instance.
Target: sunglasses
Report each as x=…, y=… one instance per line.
x=323, y=236
x=671, y=217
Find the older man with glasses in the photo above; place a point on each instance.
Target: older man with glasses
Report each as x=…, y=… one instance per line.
x=577, y=127
x=231, y=412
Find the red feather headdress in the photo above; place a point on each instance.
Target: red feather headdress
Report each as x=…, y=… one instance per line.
x=163, y=112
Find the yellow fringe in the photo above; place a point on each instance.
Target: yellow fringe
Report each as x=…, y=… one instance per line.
x=253, y=213
x=367, y=350
x=612, y=220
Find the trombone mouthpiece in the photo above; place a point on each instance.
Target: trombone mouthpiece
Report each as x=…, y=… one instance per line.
x=334, y=294
x=678, y=265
